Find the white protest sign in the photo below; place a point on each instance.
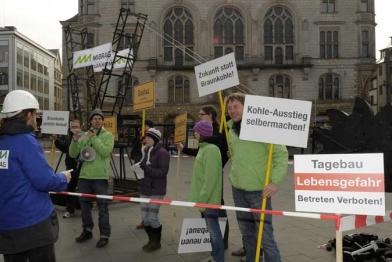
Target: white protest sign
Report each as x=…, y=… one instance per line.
x=340, y=183
x=217, y=74
x=276, y=120
x=55, y=122
x=195, y=236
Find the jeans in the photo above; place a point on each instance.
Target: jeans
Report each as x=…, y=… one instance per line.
x=212, y=221
x=39, y=254
x=99, y=187
x=249, y=225
x=150, y=212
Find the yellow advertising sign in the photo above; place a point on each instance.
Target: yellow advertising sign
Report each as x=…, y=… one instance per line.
x=180, y=128
x=110, y=124
x=144, y=96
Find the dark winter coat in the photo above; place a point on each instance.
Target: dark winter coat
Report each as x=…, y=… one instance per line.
x=156, y=167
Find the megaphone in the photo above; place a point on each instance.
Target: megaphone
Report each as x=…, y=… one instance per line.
x=87, y=154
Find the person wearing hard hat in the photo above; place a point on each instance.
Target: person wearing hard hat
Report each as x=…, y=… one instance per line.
x=95, y=148
x=28, y=222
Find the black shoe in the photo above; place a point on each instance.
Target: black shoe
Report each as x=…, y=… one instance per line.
x=102, y=242
x=86, y=235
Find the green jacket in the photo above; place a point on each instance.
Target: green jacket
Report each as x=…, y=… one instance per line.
x=103, y=146
x=249, y=162
x=207, y=175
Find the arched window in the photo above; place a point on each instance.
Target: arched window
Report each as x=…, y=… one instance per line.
x=178, y=25
x=280, y=86
x=278, y=35
x=229, y=32
x=329, y=87
x=179, y=88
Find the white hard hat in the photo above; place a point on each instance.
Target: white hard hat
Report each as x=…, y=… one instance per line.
x=16, y=101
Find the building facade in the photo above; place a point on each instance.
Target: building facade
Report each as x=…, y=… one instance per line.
x=381, y=89
x=58, y=85
x=320, y=50
x=26, y=65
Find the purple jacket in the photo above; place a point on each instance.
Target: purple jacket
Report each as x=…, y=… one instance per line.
x=155, y=172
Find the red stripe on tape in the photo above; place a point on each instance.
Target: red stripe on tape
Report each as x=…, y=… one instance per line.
x=161, y=201
x=360, y=221
x=204, y=205
x=379, y=219
x=121, y=198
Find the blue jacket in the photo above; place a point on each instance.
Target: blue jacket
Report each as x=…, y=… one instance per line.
x=25, y=178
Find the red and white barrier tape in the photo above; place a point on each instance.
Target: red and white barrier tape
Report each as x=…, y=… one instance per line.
x=169, y=202
x=358, y=221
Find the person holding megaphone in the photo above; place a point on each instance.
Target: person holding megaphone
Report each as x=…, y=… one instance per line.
x=94, y=147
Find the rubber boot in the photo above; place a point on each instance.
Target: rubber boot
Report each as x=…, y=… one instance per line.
x=155, y=239
x=148, y=231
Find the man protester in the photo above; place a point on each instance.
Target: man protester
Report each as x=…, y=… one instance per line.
x=28, y=222
x=247, y=176
x=95, y=147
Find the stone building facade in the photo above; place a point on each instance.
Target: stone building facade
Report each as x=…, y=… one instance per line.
x=317, y=50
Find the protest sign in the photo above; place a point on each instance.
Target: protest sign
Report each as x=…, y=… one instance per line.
x=144, y=96
x=55, y=122
x=110, y=124
x=217, y=74
x=180, y=128
x=276, y=120
x=195, y=236
x=340, y=183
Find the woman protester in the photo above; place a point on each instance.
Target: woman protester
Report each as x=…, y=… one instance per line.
x=206, y=185
x=28, y=222
x=209, y=113
x=155, y=164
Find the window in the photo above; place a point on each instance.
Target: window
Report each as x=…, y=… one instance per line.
x=3, y=76
x=365, y=6
x=90, y=7
x=46, y=103
x=229, y=32
x=46, y=86
x=19, y=78
x=90, y=40
x=46, y=71
x=33, y=83
x=40, y=85
x=327, y=6
x=26, y=59
x=4, y=53
x=278, y=35
x=178, y=30
x=280, y=86
x=33, y=63
x=128, y=4
x=380, y=90
x=179, y=88
x=329, y=85
x=365, y=43
x=329, y=44
x=81, y=6
x=19, y=56
x=26, y=79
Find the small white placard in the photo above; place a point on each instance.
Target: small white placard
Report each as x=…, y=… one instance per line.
x=195, y=236
x=340, y=183
x=217, y=74
x=276, y=120
x=55, y=122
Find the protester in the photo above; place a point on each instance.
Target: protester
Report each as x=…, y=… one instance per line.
x=247, y=174
x=94, y=174
x=155, y=164
x=206, y=184
x=209, y=113
x=136, y=152
x=63, y=143
x=28, y=222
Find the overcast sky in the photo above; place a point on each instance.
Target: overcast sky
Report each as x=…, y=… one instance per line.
x=39, y=19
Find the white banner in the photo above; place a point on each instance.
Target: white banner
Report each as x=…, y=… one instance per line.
x=276, y=120
x=195, y=236
x=217, y=74
x=55, y=122
x=99, y=56
x=340, y=183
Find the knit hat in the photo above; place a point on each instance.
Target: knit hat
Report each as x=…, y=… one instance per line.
x=95, y=112
x=203, y=128
x=155, y=134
